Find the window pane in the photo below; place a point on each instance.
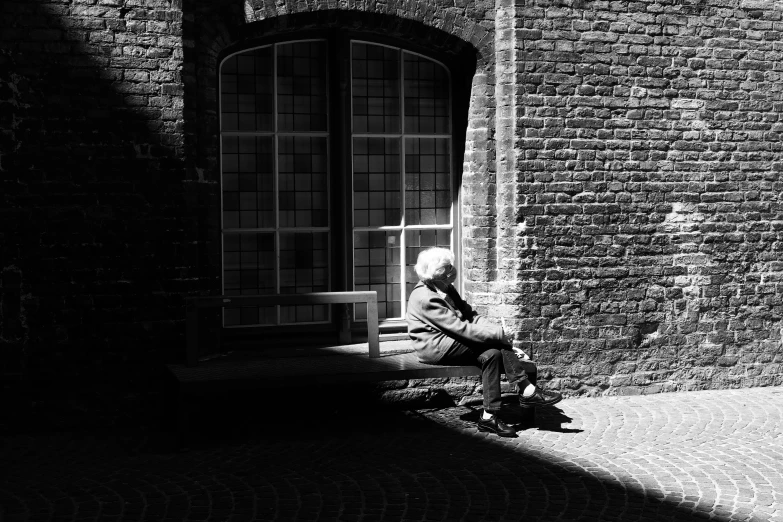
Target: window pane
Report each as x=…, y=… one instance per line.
x=377, y=267
x=246, y=91
x=426, y=96
x=427, y=181
x=248, y=269
x=302, y=181
x=415, y=242
x=248, y=170
x=376, y=182
x=375, y=88
x=301, y=86
x=304, y=268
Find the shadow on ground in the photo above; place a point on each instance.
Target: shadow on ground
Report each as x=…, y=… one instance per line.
x=316, y=450
x=313, y=454
x=545, y=419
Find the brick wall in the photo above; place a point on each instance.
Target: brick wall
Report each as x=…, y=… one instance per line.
x=98, y=229
x=649, y=193
x=620, y=193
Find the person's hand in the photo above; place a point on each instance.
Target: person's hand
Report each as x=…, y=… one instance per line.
x=508, y=337
x=521, y=355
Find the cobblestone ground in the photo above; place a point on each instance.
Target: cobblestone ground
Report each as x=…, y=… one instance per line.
x=714, y=455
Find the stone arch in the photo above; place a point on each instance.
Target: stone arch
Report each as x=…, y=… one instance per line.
x=397, y=15
x=211, y=32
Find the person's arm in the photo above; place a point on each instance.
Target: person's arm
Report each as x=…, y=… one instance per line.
x=467, y=311
x=472, y=316
x=436, y=312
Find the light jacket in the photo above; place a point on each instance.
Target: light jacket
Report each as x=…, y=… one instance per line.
x=434, y=325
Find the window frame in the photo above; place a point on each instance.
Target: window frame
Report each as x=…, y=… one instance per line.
x=275, y=133
x=398, y=322
x=340, y=144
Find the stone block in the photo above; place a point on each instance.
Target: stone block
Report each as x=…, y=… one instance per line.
x=406, y=396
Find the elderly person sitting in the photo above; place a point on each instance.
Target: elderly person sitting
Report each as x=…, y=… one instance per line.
x=446, y=330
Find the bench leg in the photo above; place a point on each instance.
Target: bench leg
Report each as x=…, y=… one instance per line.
x=175, y=412
x=182, y=422
x=344, y=336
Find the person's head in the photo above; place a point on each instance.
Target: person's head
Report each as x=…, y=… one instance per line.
x=436, y=265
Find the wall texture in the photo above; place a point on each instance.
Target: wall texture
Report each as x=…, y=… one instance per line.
x=648, y=193
x=97, y=222
x=621, y=192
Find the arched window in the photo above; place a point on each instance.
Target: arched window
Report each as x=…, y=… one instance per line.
x=337, y=169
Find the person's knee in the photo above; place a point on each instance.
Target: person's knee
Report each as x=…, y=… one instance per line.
x=492, y=355
x=528, y=365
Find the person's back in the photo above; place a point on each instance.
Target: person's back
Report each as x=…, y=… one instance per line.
x=437, y=320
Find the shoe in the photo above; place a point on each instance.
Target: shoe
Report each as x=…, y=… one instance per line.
x=496, y=425
x=540, y=398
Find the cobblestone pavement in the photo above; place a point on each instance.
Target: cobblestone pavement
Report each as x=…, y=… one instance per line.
x=714, y=455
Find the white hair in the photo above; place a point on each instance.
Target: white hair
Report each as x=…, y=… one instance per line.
x=431, y=262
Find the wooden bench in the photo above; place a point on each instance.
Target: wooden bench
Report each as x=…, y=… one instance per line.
x=194, y=304
x=330, y=364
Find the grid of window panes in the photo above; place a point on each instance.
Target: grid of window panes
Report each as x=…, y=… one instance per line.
x=401, y=170
x=304, y=268
x=427, y=181
x=376, y=182
x=248, y=181
x=246, y=87
x=249, y=268
x=301, y=86
x=302, y=181
x=377, y=267
x=426, y=109
x=375, y=88
x=275, y=190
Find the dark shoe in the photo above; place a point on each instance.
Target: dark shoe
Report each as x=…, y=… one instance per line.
x=496, y=425
x=540, y=398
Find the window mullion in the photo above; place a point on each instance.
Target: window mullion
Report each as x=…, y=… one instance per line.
x=455, y=228
x=452, y=214
x=276, y=181
x=397, y=135
x=329, y=192
x=316, y=134
x=349, y=183
x=403, y=261
x=407, y=227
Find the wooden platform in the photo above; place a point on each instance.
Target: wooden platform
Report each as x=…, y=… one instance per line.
x=297, y=367
x=294, y=365
x=339, y=364
x=290, y=367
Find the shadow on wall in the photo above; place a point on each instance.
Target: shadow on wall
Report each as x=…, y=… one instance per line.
x=99, y=222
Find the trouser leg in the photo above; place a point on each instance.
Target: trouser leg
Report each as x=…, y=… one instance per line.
x=491, y=364
x=515, y=371
x=489, y=360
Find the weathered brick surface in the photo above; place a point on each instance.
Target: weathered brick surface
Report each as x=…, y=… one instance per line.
x=649, y=193
x=620, y=193
x=97, y=235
